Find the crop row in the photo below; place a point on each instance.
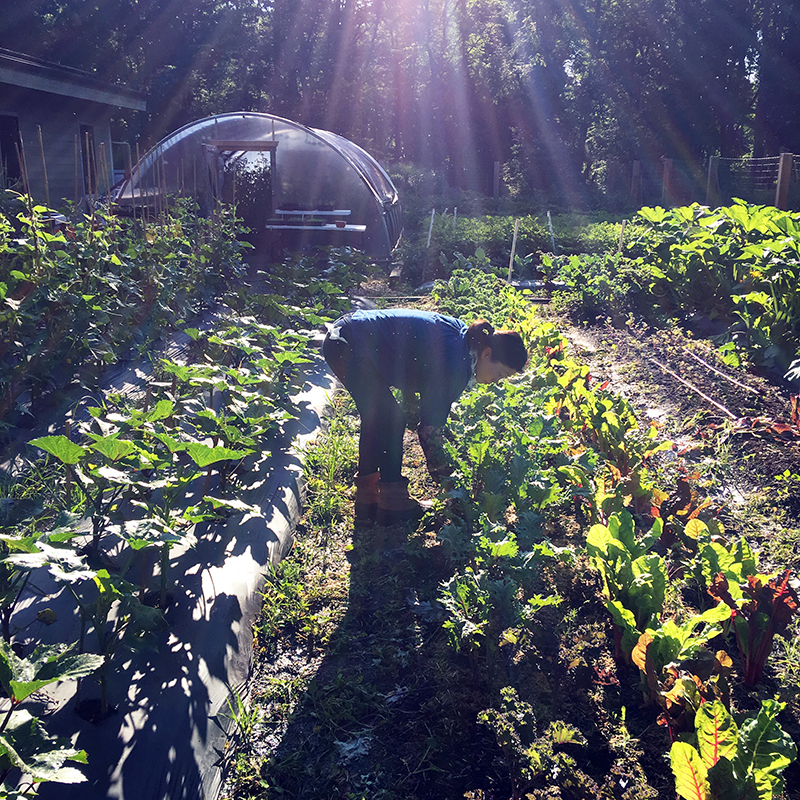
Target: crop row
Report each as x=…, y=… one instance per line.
x=555, y=440
x=132, y=477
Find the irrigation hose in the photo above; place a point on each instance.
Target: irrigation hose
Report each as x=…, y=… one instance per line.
x=694, y=389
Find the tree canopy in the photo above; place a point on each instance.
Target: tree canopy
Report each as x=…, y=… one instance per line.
x=549, y=88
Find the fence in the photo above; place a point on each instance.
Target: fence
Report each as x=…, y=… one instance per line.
x=765, y=181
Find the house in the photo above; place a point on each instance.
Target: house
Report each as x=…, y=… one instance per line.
x=55, y=130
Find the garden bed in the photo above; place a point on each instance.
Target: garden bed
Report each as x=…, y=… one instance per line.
x=359, y=691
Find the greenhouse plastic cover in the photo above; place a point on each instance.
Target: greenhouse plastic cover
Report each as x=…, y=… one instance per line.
x=313, y=169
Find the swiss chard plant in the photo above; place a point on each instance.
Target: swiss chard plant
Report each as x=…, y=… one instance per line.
x=678, y=672
x=726, y=760
x=765, y=608
x=634, y=580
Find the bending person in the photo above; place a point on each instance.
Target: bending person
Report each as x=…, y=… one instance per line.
x=417, y=352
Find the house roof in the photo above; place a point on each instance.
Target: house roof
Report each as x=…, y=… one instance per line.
x=18, y=69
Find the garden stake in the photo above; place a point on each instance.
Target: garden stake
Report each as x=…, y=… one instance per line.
x=621, y=234
x=513, y=249
x=76, y=173
x=552, y=235
x=26, y=186
x=44, y=167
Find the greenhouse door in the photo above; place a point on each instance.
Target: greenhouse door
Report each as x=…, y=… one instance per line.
x=244, y=175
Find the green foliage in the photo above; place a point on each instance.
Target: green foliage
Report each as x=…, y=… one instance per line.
x=530, y=754
x=73, y=302
x=24, y=744
x=739, y=264
x=634, y=581
x=596, y=285
x=467, y=599
x=471, y=294
x=728, y=760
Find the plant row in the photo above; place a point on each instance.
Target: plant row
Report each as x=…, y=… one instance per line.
x=732, y=270
x=135, y=476
x=557, y=441
x=72, y=300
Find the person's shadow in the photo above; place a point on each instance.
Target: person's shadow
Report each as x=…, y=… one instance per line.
x=390, y=712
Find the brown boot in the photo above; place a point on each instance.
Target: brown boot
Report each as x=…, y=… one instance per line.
x=396, y=505
x=366, y=505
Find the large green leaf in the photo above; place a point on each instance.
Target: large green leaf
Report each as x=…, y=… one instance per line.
x=203, y=455
x=21, y=677
x=691, y=775
x=717, y=734
x=59, y=446
x=764, y=746
x=114, y=449
x=28, y=747
x=63, y=563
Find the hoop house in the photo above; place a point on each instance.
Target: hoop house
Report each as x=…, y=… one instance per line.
x=295, y=187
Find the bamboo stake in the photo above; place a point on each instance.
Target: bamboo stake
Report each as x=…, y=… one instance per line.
x=23, y=164
x=139, y=185
x=430, y=227
x=164, y=183
x=77, y=198
x=513, y=249
x=44, y=167
x=621, y=234
x=88, y=168
x=23, y=167
x=102, y=166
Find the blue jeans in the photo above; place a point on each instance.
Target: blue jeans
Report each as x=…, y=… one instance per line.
x=380, y=444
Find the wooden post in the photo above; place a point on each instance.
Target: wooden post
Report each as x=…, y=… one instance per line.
x=782, y=187
x=636, y=183
x=712, y=183
x=77, y=173
x=667, y=185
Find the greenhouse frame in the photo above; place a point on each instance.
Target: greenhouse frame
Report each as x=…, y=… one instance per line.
x=296, y=188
